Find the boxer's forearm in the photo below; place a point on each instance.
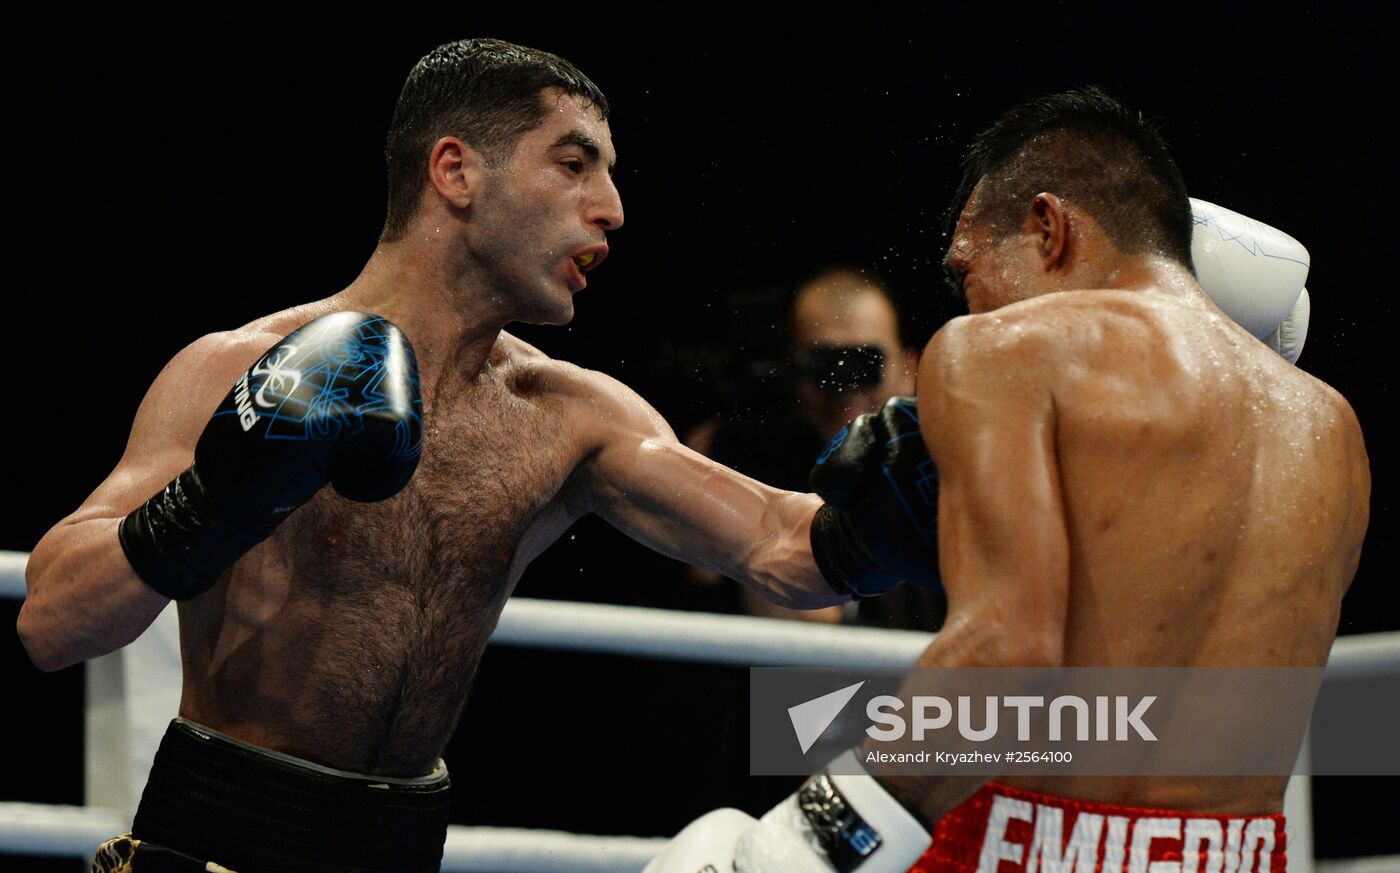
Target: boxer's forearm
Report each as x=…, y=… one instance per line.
x=644, y=482
x=782, y=567
x=977, y=638
x=927, y=796
x=685, y=505
x=84, y=600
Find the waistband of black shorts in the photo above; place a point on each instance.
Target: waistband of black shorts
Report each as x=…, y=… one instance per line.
x=220, y=799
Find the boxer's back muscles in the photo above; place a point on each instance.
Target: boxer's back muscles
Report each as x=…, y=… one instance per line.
x=1148, y=486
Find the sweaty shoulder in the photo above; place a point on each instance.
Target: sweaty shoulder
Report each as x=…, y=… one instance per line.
x=203, y=371
x=985, y=379
x=252, y=340
x=1108, y=338
x=1100, y=365
x=594, y=403
x=223, y=352
x=1078, y=326
x=1011, y=349
x=190, y=387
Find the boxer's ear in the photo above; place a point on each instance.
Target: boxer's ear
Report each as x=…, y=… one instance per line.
x=1049, y=225
x=455, y=171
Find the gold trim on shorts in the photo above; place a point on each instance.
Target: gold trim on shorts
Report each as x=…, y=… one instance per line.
x=117, y=854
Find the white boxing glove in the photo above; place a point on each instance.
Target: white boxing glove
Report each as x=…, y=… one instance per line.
x=1254, y=273
x=1288, y=338
x=833, y=824
x=706, y=845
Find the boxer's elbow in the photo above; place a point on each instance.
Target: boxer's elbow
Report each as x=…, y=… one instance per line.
x=41, y=655
x=40, y=640
x=1023, y=644
x=57, y=623
x=1034, y=631
x=1023, y=648
x=37, y=630
x=1043, y=651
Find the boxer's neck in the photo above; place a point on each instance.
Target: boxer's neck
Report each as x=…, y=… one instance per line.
x=1149, y=273
x=452, y=320
x=1106, y=268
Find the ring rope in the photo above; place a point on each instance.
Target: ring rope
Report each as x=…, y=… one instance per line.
x=54, y=831
x=747, y=641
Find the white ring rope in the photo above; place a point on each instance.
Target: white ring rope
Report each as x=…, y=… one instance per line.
x=704, y=637
x=526, y=850
x=49, y=830
x=746, y=641
x=12, y=574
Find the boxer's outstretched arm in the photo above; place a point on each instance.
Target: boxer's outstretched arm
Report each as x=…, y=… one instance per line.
x=988, y=417
x=643, y=481
x=84, y=599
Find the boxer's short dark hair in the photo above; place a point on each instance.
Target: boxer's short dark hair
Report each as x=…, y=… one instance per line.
x=485, y=91
x=1090, y=151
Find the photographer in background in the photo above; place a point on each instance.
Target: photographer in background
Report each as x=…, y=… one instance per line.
x=845, y=358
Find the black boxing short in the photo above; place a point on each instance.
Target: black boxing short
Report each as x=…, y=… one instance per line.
x=215, y=803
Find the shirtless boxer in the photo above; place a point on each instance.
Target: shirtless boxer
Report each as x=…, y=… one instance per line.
x=1127, y=479
x=328, y=649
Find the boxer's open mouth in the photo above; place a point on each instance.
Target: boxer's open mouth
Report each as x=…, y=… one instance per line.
x=590, y=258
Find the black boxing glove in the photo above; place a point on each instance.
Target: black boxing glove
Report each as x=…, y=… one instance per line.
x=337, y=401
x=879, y=524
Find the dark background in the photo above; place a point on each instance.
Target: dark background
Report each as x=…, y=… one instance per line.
x=173, y=174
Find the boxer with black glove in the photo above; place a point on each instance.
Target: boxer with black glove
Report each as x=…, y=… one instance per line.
x=337, y=400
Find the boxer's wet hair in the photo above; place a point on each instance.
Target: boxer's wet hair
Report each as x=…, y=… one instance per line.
x=1090, y=151
x=485, y=91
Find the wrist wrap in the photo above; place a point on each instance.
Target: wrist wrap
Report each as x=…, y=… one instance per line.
x=177, y=543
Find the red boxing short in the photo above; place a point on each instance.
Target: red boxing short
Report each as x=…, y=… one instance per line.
x=1006, y=830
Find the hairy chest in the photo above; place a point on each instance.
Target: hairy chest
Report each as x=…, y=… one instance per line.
x=493, y=461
